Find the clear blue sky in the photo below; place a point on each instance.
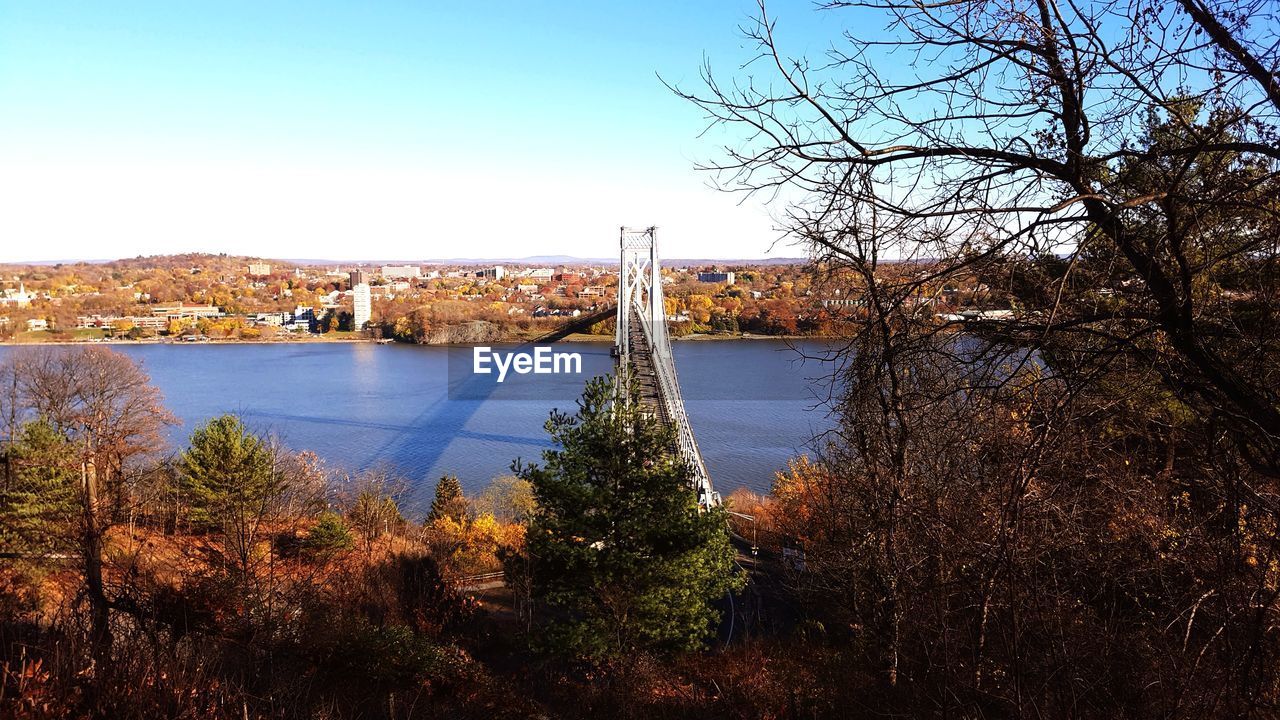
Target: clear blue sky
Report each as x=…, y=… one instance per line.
x=367, y=129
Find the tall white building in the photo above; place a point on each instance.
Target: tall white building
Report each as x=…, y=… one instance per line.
x=363, y=302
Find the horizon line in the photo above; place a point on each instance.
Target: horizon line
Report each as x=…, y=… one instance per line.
x=309, y=262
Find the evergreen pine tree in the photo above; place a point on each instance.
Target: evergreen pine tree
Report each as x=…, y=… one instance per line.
x=225, y=467
x=623, y=558
x=40, y=500
x=449, y=502
x=230, y=481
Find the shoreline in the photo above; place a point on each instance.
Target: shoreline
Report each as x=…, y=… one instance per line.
x=575, y=337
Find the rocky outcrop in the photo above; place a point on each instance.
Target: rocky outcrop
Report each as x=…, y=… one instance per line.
x=478, y=331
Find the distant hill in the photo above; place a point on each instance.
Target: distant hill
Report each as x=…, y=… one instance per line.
x=535, y=260
x=51, y=263
x=556, y=260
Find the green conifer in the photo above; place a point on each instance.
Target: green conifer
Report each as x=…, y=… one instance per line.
x=38, y=501
x=623, y=558
x=449, y=502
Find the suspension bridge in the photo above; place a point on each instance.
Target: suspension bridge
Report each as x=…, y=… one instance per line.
x=642, y=348
x=642, y=351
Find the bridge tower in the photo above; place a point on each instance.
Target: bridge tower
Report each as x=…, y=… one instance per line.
x=643, y=349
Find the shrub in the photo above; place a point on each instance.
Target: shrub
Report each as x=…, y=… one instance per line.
x=328, y=535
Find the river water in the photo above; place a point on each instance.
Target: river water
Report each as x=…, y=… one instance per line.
x=752, y=403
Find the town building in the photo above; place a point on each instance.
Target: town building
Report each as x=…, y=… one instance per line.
x=115, y=322
x=91, y=321
x=19, y=297
x=363, y=303
x=304, y=318
x=497, y=272
x=716, y=277
x=271, y=319
x=178, y=311
x=401, y=272
x=149, y=323
x=357, y=277
x=259, y=269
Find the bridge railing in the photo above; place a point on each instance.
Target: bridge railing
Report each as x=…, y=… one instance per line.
x=669, y=389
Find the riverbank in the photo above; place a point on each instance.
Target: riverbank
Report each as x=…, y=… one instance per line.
x=346, y=337
x=342, y=338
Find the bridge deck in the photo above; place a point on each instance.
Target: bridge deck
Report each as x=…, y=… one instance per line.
x=578, y=324
x=645, y=375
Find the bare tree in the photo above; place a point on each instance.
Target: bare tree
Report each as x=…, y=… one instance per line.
x=1026, y=130
x=372, y=504
x=1095, y=465
x=104, y=404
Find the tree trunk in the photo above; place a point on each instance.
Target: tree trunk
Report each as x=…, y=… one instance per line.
x=91, y=551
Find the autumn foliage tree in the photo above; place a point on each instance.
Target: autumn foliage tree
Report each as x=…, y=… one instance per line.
x=1068, y=507
x=104, y=407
